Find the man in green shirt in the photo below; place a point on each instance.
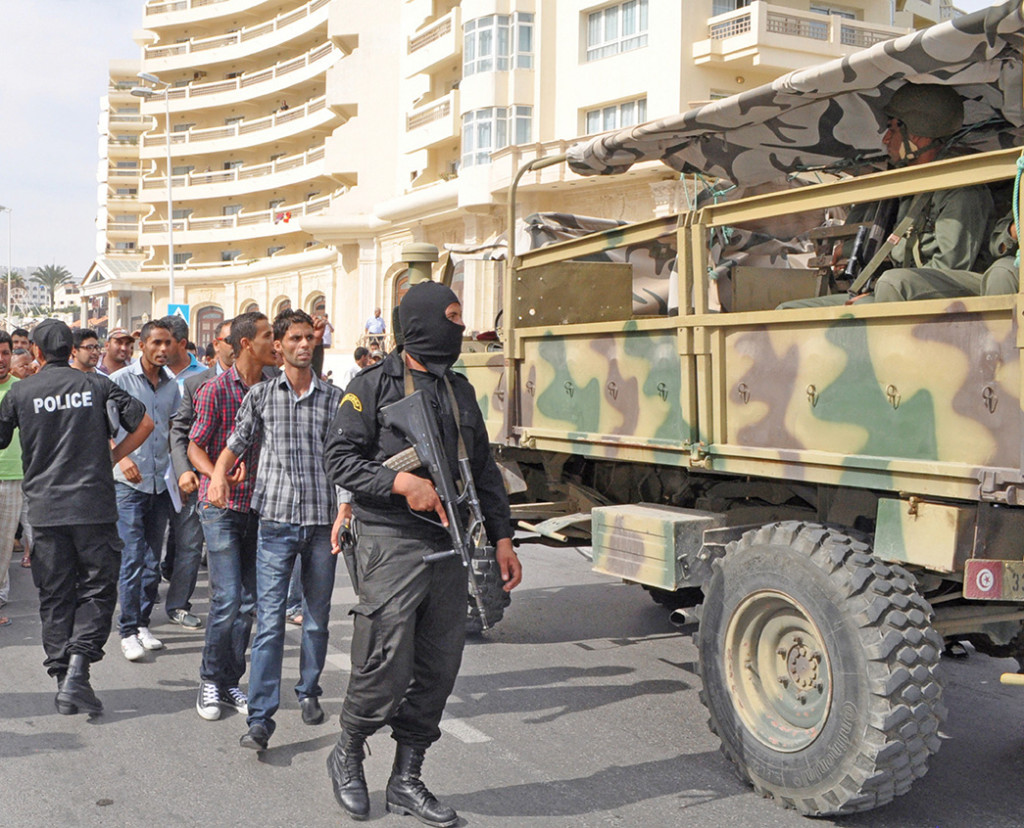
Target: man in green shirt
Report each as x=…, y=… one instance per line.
x=10, y=482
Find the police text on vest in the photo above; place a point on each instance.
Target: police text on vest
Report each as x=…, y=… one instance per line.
x=62, y=402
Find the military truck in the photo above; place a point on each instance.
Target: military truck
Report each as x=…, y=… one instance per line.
x=840, y=488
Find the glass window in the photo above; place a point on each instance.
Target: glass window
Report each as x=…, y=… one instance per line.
x=497, y=42
x=182, y=257
x=231, y=209
x=487, y=130
x=615, y=29
x=615, y=116
x=229, y=255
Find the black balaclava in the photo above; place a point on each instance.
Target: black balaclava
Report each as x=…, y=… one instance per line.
x=430, y=338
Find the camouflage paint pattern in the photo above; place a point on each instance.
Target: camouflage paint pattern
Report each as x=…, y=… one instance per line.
x=814, y=116
x=649, y=544
x=937, y=536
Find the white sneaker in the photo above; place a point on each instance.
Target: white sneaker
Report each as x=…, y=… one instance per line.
x=132, y=648
x=148, y=640
x=208, y=701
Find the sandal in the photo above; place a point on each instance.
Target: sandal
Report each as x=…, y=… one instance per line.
x=295, y=619
x=26, y=561
x=4, y=621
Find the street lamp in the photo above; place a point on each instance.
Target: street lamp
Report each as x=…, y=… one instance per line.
x=10, y=257
x=147, y=93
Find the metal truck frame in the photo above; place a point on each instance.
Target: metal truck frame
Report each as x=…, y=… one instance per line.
x=843, y=485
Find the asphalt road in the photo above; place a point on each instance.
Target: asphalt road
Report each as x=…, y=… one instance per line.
x=579, y=709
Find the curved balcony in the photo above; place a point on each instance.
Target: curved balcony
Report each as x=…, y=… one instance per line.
x=279, y=221
x=191, y=272
x=282, y=124
x=245, y=42
x=291, y=169
x=177, y=12
x=253, y=84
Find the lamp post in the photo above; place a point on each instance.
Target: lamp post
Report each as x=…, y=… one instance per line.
x=147, y=93
x=10, y=256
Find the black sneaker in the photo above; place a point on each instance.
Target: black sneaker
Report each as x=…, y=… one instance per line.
x=234, y=698
x=184, y=618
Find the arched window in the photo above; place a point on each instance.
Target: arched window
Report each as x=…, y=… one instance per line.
x=249, y=307
x=207, y=321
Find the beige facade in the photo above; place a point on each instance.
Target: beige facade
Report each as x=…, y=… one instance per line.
x=311, y=140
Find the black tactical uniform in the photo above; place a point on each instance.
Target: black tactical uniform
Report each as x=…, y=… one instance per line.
x=66, y=419
x=409, y=625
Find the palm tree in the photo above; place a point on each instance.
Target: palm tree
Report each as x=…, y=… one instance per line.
x=52, y=276
x=17, y=282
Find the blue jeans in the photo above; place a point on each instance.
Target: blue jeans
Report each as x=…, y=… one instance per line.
x=188, y=551
x=141, y=523
x=294, y=603
x=279, y=544
x=231, y=563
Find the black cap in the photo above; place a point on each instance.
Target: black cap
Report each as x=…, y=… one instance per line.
x=53, y=338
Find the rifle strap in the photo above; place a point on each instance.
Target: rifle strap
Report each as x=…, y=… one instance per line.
x=918, y=205
x=409, y=388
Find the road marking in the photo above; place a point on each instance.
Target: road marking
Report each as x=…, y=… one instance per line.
x=462, y=731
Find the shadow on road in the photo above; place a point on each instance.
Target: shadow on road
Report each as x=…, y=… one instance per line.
x=606, y=790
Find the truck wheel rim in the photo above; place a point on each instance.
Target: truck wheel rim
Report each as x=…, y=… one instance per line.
x=778, y=672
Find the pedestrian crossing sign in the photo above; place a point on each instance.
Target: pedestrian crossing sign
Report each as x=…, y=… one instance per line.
x=178, y=310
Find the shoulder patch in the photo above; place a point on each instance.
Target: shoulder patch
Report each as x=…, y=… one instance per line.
x=352, y=398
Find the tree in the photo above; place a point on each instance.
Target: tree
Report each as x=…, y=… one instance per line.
x=17, y=282
x=52, y=276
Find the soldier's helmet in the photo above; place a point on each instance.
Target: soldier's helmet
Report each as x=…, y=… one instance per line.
x=928, y=109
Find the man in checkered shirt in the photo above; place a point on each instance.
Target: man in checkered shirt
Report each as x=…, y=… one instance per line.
x=288, y=417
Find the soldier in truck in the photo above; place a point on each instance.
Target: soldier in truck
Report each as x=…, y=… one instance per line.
x=935, y=255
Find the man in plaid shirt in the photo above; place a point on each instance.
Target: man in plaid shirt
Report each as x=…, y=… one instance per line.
x=230, y=525
x=288, y=417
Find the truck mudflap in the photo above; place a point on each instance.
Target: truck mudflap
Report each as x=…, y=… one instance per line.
x=993, y=580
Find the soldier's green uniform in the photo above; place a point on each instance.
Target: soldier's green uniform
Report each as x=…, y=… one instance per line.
x=1003, y=275
x=936, y=260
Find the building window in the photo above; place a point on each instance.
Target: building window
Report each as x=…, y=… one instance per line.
x=124, y=245
x=181, y=214
x=616, y=116
x=846, y=14
x=615, y=29
x=726, y=6
x=229, y=255
x=497, y=42
x=277, y=248
x=182, y=258
x=487, y=130
x=231, y=209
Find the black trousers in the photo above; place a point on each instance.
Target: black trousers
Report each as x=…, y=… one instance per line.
x=75, y=569
x=407, y=641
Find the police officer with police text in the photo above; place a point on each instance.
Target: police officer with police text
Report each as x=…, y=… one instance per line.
x=66, y=419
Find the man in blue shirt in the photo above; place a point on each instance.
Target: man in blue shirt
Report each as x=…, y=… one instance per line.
x=185, y=534
x=143, y=503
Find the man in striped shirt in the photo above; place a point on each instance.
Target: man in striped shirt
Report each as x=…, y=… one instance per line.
x=288, y=417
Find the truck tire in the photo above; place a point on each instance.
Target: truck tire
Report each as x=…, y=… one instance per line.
x=819, y=669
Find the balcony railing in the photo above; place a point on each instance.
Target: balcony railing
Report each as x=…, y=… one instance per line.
x=192, y=136
x=244, y=173
x=165, y=6
x=202, y=44
x=129, y=119
x=428, y=36
x=436, y=112
x=195, y=90
x=283, y=214
x=760, y=24
x=122, y=227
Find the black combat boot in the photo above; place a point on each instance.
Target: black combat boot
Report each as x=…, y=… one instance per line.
x=75, y=690
x=63, y=709
x=345, y=767
x=406, y=794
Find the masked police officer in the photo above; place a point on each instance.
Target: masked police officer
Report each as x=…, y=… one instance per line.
x=410, y=623
x=66, y=419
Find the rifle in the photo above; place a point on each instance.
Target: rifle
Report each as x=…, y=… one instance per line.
x=413, y=418
x=869, y=239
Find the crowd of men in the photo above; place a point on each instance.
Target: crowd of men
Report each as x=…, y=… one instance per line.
x=263, y=461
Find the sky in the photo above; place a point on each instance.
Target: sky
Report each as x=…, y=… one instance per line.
x=53, y=62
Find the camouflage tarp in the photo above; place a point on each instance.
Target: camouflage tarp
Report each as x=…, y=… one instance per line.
x=815, y=117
